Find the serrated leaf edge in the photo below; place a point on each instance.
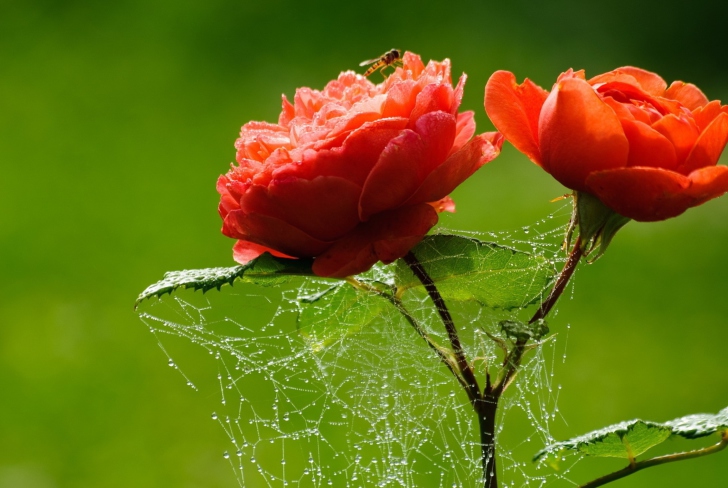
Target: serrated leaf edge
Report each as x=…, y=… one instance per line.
x=682, y=426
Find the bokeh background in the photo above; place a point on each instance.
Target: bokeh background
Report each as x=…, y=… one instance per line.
x=116, y=119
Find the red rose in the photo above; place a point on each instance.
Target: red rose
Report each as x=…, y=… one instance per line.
x=647, y=151
x=353, y=174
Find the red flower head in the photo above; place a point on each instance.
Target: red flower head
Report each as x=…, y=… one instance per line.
x=355, y=173
x=647, y=151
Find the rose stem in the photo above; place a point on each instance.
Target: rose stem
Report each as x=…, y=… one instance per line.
x=452, y=332
x=670, y=458
x=561, y=281
x=485, y=406
x=415, y=325
x=413, y=322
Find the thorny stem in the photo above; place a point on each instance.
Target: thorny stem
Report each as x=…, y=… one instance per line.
x=633, y=468
x=561, y=281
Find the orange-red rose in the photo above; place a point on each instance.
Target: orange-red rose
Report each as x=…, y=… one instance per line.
x=646, y=150
x=355, y=173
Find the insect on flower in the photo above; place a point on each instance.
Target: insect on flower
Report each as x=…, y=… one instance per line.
x=387, y=59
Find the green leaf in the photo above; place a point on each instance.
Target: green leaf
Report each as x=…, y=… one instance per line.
x=699, y=425
x=465, y=269
x=265, y=270
x=337, y=312
x=632, y=438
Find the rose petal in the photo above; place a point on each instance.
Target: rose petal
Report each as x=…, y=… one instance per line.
x=704, y=115
x=625, y=111
x=687, y=94
x=457, y=97
x=395, y=176
x=651, y=194
x=458, y=167
x=681, y=131
x=288, y=111
x=356, y=157
x=647, y=147
x=570, y=73
x=344, y=127
x=434, y=97
x=445, y=204
x=273, y=233
x=325, y=207
x=413, y=63
x=386, y=237
x=246, y=251
x=579, y=134
x=401, y=98
x=707, y=183
x=406, y=162
x=709, y=146
x=514, y=110
x=646, y=80
x=464, y=130
x=437, y=130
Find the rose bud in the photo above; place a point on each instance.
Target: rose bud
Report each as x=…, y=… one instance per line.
x=353, y=174
x=630, y=146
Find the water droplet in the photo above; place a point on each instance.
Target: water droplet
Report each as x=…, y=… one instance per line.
x=214, y=416
x=226, y=455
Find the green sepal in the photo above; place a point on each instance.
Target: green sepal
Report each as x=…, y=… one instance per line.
x=597, y=224
x=266, y=270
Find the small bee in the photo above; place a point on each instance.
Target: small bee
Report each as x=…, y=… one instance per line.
x=387, y=59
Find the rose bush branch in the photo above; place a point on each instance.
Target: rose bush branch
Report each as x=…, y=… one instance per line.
x=485, y=406
x=464, y=366
x=485, y=402
x=563, y=279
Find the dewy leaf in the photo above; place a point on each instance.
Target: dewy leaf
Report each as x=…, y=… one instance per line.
x=337, y=312
x=265, y=270
x=625, y=440
x=630, y=439
x=699, y=425
x=464, y=268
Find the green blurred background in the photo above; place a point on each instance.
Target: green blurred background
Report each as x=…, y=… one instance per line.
x=116, y=119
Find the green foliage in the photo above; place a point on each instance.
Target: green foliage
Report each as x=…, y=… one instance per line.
x=336, y=312
x=265, y=270
x=630, y=439
x=520, y=331
x=465, y=269
x=462, y=269
x=699, y=425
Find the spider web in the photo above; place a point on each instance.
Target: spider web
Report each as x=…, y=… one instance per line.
x=373, y=408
